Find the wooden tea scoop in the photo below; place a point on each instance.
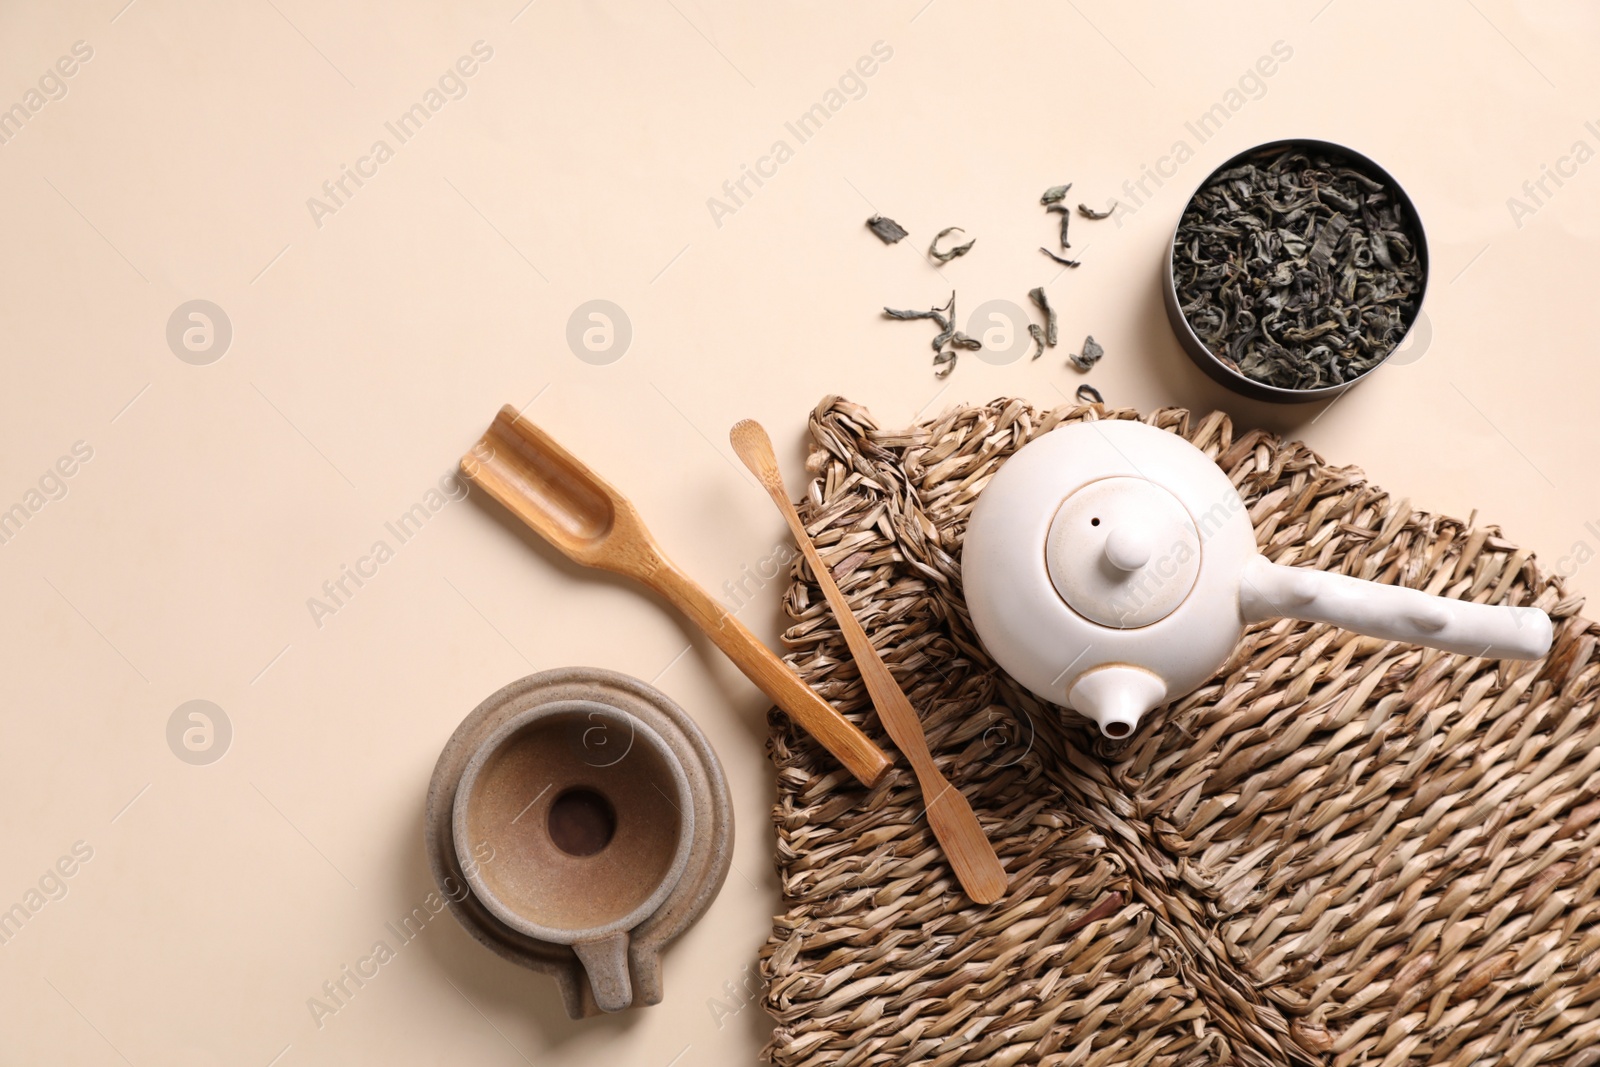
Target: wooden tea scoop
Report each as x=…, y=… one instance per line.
x=951, y=818
x=542, y=484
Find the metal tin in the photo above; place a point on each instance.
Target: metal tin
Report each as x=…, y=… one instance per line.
x=1217, y=368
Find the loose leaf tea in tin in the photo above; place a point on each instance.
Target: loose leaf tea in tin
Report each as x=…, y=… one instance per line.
x=1298, y=268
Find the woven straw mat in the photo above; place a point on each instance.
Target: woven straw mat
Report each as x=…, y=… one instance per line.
x=1340, y=850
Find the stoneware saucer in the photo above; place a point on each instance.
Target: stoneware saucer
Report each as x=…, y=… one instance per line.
x=577, y=728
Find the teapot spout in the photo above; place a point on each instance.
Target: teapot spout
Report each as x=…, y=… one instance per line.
x=1116, y=698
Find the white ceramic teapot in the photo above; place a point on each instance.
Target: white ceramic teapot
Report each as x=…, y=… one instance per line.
x=1111, y=567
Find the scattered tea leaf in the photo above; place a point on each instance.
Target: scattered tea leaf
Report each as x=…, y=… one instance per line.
x=939, y=315
x=1089, y=356
x=946, y=321
x=1090, y=213
x=1065, y=262
x=1038, y=297
x=943, y=358
x=1298, y=268
x=1036, y=332
x=945, y=317
x=1066, y=217
x=1088, y=394
x=888, y=230
x=896, y=313
x=1055, y=194
x=956, y=250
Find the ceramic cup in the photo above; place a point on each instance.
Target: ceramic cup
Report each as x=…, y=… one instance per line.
x=590, y=819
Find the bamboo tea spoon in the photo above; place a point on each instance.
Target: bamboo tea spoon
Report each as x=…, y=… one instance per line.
x=591, y=523
x=951, y=818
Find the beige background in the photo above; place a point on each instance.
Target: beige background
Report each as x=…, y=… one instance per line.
x=369, y=351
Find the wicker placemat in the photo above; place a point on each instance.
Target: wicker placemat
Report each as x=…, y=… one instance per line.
x=1340, y=850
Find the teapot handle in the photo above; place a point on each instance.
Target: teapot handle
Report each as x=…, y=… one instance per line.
x=1394, y=613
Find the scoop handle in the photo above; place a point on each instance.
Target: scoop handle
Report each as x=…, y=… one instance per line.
x=782, y=686
x=1393, y=613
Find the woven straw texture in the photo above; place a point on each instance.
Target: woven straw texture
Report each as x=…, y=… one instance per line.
x=1338, y=851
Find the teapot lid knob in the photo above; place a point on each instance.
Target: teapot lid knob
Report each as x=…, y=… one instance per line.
x=1128, y=547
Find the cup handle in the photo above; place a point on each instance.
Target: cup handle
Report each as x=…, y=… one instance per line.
x=606, y=961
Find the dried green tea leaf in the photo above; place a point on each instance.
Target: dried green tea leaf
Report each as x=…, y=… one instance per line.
x=1380, y=251
x=944, y=363
x=939, y=315
x=1298, y=268
x=1055, y=194
x=1036, y=332
x=947, y=322
x=1038, y=297
x=945, y=317
x=1090, y=213
x=1060, y=259
x=1066, y=217
x=1089, y=356
x=1088, y=394
x=957, y=250
x=961, y=340
x=1327, y=239
x=888, y=230
x=896, y=313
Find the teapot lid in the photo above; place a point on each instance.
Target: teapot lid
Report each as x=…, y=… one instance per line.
x=1123, y=552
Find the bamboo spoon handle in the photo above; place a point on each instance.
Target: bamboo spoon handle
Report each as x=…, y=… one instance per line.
x=950, y=817
x=818, y=718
